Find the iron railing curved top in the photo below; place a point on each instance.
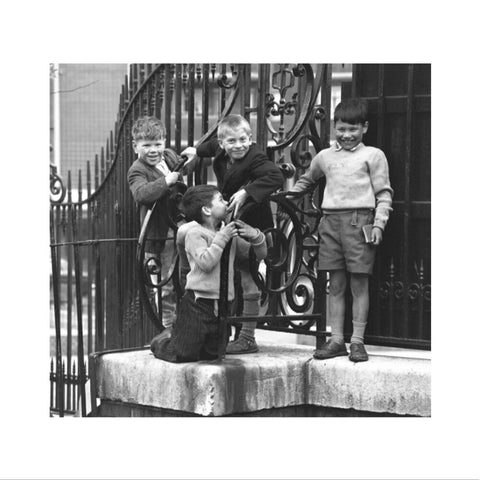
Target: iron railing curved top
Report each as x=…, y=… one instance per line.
x=121, y=129
x=313, y=87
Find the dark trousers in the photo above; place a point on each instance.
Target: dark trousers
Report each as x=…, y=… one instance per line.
x=195, y=334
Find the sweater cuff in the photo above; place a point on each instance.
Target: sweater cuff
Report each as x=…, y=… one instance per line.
x=258, y=240
x=380, y=223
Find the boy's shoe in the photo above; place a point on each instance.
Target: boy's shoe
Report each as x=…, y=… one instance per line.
x=242, y=345
x=358, y=352
x=330, y=349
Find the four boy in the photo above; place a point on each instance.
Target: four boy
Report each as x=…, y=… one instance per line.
x=357, y=195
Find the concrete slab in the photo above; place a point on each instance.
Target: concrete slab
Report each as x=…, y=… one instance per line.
x=272, y=378
x=277, y=376
x=383, y=384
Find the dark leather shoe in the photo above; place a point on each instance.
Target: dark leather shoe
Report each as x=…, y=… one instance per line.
x=242, y=345
x=330, y=349
x=358, y=353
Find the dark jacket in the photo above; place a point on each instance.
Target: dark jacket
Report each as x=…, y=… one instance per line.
x=254, y=172
x=148, y=185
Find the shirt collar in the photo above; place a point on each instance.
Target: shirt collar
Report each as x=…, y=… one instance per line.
x=338, y=147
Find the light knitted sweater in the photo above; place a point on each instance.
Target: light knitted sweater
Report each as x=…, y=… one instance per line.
x=203, y=249
x=355, y=179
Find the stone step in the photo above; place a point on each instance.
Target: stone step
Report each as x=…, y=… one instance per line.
x=278, y=376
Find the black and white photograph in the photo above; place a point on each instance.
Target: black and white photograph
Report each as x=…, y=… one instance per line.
x=217, y=242
x=245, y=218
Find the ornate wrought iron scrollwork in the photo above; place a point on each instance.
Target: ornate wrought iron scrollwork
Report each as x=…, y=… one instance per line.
x=284, y=251
x=224, y=81
x=149, y=268
x=57, y=189
x=283, y=81
x=419, y=288
x=288, y=274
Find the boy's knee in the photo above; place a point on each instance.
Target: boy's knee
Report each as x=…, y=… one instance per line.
x=359, y=284
x=337, y=285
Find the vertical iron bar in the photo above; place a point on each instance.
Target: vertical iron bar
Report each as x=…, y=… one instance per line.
x=191, y=112
x=102, y=164
x=52, y=382
x=168, y=104
x=118, y=269
x=156, y=97
x=408, y=201
x=264, y=87
x=178, y=107
x=78, y=291
x=97, y=174
x=58, y=330
x=246, y=86
x=391, y=299
x=150, y=93
x=320, y=306
x=376, y=324
x=73, y=384
x=205, y=97
x=99, y=341
x=326, y=100
x=222, y=90
x=223, y=301
x=89, y=259
x=110, y=280
x=381, y=105
x=107, y=156
x=420, y=304
x=69, y=282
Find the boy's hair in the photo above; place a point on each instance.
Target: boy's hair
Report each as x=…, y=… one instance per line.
x=232, y=122
x=195, y=198
x=148, y=128
x=352, y=110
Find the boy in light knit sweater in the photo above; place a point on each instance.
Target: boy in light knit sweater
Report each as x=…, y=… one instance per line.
x=357, y=193
x=195, y=334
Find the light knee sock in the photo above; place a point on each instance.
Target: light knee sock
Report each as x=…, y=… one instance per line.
x=358, y=332
x=250, y=308
x=337, y=331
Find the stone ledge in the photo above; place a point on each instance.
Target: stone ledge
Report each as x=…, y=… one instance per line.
x=383, y=384
x=277, y=376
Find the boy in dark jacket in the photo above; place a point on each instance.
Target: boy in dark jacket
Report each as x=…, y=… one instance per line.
x=244, y=175
x=150, y=178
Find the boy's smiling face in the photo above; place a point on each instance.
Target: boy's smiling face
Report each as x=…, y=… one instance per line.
x=349, y=135
x=236, y=143
x=149, y=151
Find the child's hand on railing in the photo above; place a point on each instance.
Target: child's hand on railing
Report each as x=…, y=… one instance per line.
x=236, y=201
x=229, y=230
x=190, y=153
x=172, y=178
x=246, y=231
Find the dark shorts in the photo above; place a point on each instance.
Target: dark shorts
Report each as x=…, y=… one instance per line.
x=195, y=334
x=342, y=242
